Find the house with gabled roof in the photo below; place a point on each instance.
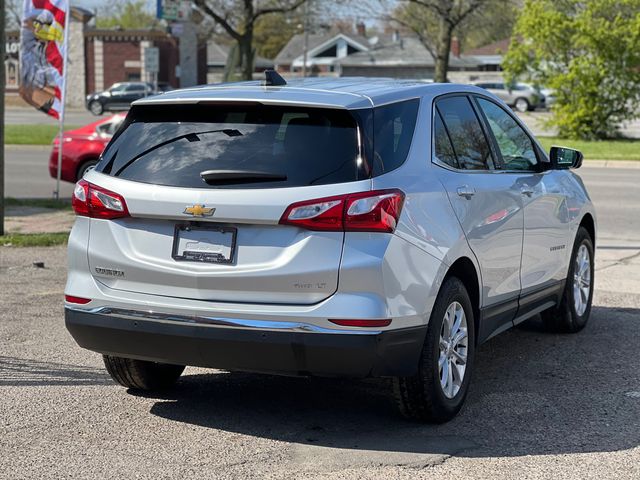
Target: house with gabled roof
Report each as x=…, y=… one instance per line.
x=323, y=51
x=343, y=54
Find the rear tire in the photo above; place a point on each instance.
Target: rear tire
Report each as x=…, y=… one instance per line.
x=423, y=397
x=85, y=167
x=142, y=375
x=522, y=104
x=575, y=307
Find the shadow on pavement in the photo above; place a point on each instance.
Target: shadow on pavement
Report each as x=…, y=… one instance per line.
x=533, y=393
x=19, y=372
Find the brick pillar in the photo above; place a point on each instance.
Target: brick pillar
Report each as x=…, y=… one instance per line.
x=76, y=84
x=98, y=60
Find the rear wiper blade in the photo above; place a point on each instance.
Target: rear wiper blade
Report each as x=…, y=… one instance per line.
x=191, y=137
x=240, y=176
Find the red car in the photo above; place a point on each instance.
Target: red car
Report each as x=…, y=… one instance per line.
x=82, y=147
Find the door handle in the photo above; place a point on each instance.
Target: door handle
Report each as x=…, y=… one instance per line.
x=526, y=190
x=466, y=191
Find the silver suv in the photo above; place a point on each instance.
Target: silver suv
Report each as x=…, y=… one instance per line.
x=521, y=96
x=331, y=227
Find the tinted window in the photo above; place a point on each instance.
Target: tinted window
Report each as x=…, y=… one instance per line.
x=136, y=87
x=443, y=149
x=172, y=145
x=394, y=125
x=514, y=144
x=117, y=87
x=468, y=140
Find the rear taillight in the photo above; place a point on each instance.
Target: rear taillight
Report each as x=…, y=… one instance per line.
x=90, y=200
x=376, y=211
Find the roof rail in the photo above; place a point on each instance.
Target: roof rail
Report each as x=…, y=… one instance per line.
x=273, y=79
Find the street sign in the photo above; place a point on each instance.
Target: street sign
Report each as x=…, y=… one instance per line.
x=151, y=60
x=173, y=10
x=177, y=29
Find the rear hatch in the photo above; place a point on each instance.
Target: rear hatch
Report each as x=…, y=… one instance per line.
x=205, y=187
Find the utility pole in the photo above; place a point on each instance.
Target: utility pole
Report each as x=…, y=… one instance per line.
x=2, y=87
x=306, y=38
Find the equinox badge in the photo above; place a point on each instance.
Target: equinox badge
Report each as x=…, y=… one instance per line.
x=199, y=211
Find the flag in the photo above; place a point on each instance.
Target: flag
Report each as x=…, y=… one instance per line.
x=43, y=54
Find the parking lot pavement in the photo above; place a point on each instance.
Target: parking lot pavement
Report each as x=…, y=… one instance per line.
x=541, y=405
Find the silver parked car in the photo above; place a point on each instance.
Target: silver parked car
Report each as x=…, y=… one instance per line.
x=521, y=96
x=331, y=227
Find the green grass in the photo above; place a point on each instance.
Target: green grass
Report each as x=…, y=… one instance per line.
x=38, y=203
x=34, y=239
x=31, y=134
x=598, y=150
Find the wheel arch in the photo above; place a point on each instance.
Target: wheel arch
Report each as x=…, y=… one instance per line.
x=589, y=225
x=465, y=270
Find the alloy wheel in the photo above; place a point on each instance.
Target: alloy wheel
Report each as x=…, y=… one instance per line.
x=522, y=105
x=581, y=280
x=454, y=340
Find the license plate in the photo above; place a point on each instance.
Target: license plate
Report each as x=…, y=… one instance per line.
x=204, y=244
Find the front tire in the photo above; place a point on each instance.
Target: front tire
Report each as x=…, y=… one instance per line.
x=438, y=390
x=96, y=108
x=142, y=375
x=573, y=312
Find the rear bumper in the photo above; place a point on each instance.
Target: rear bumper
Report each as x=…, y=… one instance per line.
x=290, y=352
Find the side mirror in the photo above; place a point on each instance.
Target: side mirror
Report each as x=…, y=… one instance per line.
x=564, y=157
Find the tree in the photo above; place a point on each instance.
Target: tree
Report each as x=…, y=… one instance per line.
x=272, y=32
x=587, y=52
x=13, y=14
x=435, y=21
x=126, y=14
x=488, y=24
x=238, y=19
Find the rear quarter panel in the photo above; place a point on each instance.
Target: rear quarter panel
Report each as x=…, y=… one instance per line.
x=428, y=224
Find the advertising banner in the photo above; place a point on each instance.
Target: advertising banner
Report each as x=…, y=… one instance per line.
x=43, y=54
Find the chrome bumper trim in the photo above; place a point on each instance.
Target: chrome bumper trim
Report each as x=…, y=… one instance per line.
x=217, y=321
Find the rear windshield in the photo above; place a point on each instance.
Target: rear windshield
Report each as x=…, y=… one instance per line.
x=236, y=146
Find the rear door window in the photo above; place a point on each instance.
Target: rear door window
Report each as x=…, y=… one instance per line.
x=467, y=137
x=251, y=146
x=443, y=148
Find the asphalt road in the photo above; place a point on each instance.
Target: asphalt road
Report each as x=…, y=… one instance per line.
x=27, y=173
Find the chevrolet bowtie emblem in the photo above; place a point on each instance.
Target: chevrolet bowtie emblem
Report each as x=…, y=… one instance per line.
x=199, y=211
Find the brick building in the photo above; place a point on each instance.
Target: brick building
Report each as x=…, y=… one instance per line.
x=99, y=58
